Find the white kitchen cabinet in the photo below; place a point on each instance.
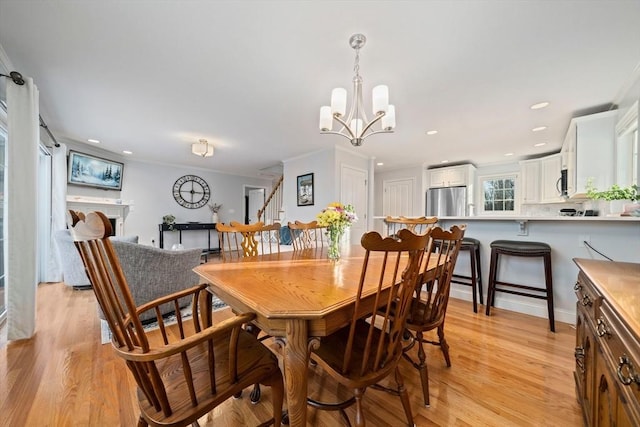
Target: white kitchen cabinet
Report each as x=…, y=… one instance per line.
x=540, y=179
x=550, y=191
x=530, y=180
x=588, y=152
x=452, y=176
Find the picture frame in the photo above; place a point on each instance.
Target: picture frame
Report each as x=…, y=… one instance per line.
x=304, y=191
x=91, y=171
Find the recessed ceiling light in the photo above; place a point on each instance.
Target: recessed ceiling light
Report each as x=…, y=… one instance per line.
x=539, y=144
x=539, y=128
x=444, y=161
x=95, y=141
x=127, y=152
x=380, y=164
x=539, y=105
x=432, y=132
x=508, y=154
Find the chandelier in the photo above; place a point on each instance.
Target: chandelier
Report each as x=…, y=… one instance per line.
x=202, y=148
x=355, y=126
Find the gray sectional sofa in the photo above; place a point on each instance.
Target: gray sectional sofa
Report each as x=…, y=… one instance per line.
x=150, y=272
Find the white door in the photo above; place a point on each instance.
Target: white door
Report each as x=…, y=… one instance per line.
x=256, y=201
x=398, y=197
x=353, y=191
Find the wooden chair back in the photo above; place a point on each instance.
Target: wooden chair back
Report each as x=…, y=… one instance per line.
x=396, y=268
x=306, y=235
x=240, y=240
x=419, y=225
x=197, y=365
x=432, y=297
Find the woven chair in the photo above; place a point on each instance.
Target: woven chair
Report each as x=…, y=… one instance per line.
x=368, y=349
x=197, y=366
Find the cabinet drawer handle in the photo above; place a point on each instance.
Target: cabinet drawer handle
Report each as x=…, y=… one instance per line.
x=626, y=372
x=577, y=286
x=579, y=355
x=602, y=328
x=586, y=301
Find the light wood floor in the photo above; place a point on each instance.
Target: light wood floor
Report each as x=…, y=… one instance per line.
x=507, y=370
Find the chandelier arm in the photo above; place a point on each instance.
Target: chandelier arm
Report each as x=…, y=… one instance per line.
x=336, y=133
x=345, y=126
x=377, y=131
x=372, y=122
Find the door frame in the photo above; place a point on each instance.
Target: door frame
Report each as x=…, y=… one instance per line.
x=245, y=194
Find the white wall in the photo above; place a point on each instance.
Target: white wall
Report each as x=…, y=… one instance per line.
x=326, y=165
x=149, y=188
x=321, y=164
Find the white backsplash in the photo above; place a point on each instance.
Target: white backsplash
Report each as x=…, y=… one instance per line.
x=547, y=209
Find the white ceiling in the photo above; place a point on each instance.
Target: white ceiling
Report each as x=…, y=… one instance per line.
x=250, y=76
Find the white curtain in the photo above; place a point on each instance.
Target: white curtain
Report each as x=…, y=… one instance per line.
x=58, y=208
x=21, y=216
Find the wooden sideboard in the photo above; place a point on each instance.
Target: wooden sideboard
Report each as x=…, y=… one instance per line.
x=607, y=352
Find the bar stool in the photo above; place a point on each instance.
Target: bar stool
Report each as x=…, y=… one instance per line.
x=475, y=280
x=521, y=249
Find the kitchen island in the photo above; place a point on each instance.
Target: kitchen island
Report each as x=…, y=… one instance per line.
x=616, y=237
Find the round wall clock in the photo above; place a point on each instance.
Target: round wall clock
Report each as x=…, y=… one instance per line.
x=191, y=192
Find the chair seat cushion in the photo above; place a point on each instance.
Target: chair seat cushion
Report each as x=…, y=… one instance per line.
x=520, y=246
x=469, y=242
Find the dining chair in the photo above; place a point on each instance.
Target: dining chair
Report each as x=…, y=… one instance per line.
x=306, y=235
x=190, y=367
x=431, y=298
x=242, y=240
x=419, y=225
x=368, y=349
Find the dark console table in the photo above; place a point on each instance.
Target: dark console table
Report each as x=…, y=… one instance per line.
x=190, y=226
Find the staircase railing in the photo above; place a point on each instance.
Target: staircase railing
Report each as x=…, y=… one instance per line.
x=273, y=204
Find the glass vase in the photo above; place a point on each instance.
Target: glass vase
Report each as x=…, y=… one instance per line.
x=335, y=236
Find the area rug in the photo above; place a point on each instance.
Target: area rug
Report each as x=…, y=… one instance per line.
x=170, y=319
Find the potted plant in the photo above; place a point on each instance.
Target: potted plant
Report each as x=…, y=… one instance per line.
x=214, y=208
x=618, y=197
x=169, y=220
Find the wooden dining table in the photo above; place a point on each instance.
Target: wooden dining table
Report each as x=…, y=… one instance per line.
x=298, y=298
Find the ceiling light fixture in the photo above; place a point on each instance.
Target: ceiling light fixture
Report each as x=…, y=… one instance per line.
x=202, y=148
x=539, y=144
x=444, y=161
x=508, y=154
x=539, y=105
x=356, y=124
x=127, y=152
x=432, y=132
x=380, y=164
x=538, y=129
x=95, y=141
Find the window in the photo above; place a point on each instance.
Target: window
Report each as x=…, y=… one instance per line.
x=498, y=194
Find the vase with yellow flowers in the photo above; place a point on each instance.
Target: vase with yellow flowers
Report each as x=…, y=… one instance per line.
x=336, y=218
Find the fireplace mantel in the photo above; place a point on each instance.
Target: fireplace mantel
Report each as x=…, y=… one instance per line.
x=112, y=208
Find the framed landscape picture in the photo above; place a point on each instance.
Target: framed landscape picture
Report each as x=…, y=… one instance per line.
x=92, y=171
x=305, y=190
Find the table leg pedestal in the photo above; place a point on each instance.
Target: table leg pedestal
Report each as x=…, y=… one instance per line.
x=295, y=350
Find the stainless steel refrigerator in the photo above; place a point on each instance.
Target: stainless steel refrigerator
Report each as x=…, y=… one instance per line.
x=447, y=201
